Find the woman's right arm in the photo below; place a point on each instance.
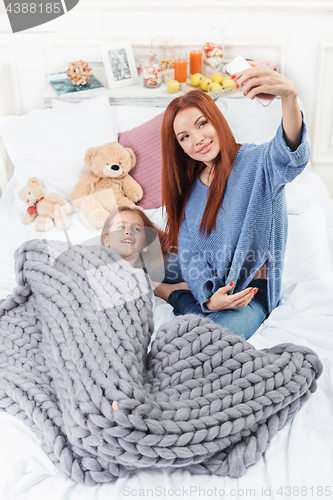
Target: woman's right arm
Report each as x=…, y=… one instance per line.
x=288, y=152
x=260, y=79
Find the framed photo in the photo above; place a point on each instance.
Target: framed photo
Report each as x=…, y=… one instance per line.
x=119, y=64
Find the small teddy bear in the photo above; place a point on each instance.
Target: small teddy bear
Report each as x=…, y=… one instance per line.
x=51, y=208
x=107, y=185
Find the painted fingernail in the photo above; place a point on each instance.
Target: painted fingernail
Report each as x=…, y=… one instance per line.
x=237, y=86
x=231, y=283
x=244, y=93
x=255, y=291
x=233, y=77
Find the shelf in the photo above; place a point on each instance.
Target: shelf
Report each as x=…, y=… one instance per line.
x=136, y=95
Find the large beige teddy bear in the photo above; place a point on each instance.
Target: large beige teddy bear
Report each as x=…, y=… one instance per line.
x=108, y=184
x=49, y=209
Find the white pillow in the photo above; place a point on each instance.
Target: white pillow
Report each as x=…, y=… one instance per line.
x=51, y=144
x=128, y=117
x=125, y=117
x=250, y=122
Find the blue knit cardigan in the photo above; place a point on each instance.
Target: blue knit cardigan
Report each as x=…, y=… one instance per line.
x=251, y=225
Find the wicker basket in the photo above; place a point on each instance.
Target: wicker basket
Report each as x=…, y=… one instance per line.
x=187, y=87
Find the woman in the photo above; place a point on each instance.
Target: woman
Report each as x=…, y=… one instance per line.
x=225, y=205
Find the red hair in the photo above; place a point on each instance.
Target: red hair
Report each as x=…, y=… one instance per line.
x=179, y=170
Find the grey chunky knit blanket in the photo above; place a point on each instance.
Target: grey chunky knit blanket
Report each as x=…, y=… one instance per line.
x=73, y=338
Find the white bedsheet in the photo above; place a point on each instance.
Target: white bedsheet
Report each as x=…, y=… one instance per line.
x=300, y=456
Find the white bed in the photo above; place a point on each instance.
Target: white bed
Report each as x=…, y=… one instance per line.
x=299, y=461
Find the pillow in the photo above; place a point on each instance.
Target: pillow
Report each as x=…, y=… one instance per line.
x=51, y=144
x=124, y=117
x=128, y=117
x=249, y=121
x=145, y=141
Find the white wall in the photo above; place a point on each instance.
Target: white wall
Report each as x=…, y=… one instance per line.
x=297, y=34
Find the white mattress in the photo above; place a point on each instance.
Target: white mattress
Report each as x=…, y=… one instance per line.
x=301, y=453
x=299, y=456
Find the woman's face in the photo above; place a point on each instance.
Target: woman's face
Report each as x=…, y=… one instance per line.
x=196, y=135
x=126, y=234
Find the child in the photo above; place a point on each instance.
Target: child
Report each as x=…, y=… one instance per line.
x=131, y=233
x=137, y=240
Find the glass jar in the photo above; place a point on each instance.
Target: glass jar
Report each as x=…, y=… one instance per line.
x=151, y=70
x=213, y=54
x=213, y=51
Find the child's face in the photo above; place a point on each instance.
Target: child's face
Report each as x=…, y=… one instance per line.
x=126, y=234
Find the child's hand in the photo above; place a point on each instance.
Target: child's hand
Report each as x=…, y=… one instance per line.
x=220, y=300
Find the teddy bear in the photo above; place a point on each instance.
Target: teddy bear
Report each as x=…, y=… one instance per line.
x=49, y=209
x=107, y=185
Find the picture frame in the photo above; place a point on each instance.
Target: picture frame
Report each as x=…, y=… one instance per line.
x=119, y=64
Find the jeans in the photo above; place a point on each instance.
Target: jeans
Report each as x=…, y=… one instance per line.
x=243, y=321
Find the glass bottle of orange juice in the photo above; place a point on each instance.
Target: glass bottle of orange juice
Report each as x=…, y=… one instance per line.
x=196, y=60
x=180, y=66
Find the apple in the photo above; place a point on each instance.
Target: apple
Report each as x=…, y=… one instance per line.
x=196, y=79
x=204, y=83
x=228, y=83
x=172, y=86
x=217, y=78
x=213, y=86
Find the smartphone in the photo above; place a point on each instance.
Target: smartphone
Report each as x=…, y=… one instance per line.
x=240, y=64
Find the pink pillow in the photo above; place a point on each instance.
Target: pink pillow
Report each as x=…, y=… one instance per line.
x=145, y=141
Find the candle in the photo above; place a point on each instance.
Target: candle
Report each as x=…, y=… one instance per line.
x=195, y=61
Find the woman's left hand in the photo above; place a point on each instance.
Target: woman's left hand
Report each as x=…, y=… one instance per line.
x=260, y=78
